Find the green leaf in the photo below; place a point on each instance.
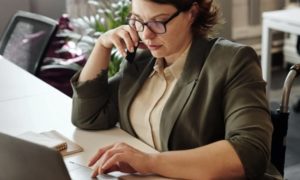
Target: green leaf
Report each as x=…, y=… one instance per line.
x=108, y=16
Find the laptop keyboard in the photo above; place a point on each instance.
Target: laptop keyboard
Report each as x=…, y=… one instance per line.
x=79, y=172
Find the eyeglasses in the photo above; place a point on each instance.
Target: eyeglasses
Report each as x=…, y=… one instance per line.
x=158, y=27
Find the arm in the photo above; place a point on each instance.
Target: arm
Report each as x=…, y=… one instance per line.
x=246, y=112
x=95, y=100
x=98, y=60
x=214, y=161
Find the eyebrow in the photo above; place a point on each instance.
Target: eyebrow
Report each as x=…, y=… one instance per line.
x=158, y=15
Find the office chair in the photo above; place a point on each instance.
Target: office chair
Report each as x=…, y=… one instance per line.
x=26, y=38
x=296, y=106
x=280, y=122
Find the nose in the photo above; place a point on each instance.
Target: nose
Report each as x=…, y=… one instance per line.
x=147, y=33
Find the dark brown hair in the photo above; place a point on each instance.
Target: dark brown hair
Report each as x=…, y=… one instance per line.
x=207, y=18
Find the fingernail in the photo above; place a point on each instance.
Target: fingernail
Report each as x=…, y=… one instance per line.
x=94, y=174
x=131, y=49
x=136, y=44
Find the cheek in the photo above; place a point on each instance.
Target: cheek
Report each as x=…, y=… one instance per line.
x=175, y=38
x=179, y=31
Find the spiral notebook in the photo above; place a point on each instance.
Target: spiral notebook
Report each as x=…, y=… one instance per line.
x=54, y=140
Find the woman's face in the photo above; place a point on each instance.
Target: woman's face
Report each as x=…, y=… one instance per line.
x=178, y=31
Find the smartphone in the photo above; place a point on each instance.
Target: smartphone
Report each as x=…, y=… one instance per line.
x=131, y=55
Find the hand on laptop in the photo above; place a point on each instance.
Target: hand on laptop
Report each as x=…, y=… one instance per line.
x=121, y=157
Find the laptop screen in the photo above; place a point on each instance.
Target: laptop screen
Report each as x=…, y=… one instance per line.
x=25, y=160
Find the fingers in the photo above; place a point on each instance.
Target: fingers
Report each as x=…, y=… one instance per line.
x=99, y=154
x=102, y=155
x=111, y=169
x=100, y=170
x=134, y=36
x=115, y=158
x=108, y=154
x=96, y=172
x=95, y=158
x=124, y=37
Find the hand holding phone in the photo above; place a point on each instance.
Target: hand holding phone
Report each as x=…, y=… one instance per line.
x=130, y=55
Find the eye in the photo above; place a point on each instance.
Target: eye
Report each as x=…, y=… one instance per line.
x=132, y=16
x=159, y=19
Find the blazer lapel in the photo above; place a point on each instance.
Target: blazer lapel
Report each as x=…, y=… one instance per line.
x=134, y=76
x=183, y=89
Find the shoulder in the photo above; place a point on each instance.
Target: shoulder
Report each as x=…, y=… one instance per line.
x=227, y=48
x=218, y=50
x=228, y=60
x=231, y=54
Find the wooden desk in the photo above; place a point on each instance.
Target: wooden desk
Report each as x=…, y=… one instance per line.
x=283, y=20
x=29, y=104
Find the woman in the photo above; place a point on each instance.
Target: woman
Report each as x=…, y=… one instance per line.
x=199, y=101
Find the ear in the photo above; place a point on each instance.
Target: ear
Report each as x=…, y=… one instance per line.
x=194, y=11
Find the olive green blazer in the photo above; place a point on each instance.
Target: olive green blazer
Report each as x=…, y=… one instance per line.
x=220, y=95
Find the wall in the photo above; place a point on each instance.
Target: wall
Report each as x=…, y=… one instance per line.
x=50, y=8
x=79, y=8
x=243, y=21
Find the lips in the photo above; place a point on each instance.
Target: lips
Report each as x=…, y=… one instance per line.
x=153, y=47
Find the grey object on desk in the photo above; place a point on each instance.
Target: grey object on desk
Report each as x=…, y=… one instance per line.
x=21, y=159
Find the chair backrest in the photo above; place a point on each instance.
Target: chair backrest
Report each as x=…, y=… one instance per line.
x=280, y=122
x=26, y=39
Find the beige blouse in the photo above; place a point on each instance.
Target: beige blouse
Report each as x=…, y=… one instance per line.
x=146, y=109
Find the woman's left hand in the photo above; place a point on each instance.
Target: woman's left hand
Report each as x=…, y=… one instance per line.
x=121, y=157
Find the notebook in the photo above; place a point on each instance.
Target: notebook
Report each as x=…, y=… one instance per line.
x=44, y=140
x=72, y=147
x=54, y=140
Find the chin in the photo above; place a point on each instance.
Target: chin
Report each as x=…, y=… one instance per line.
x=158, y=54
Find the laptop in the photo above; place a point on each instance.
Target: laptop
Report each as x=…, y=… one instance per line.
x=20, y=159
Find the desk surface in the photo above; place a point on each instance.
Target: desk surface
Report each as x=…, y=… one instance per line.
x=286, y=16
x=17, y=83
x=29, y=104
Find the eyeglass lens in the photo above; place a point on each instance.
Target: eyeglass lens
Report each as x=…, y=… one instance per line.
x=156, y=27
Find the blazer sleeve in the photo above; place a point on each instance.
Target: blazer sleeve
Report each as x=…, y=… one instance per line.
x=95, y=102
x=248, y=125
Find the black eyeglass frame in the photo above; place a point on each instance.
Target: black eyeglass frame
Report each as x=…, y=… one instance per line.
x=164, y=23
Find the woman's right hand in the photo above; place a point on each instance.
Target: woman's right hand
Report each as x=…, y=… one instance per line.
x=122, y=37
x=121, y=157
